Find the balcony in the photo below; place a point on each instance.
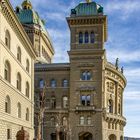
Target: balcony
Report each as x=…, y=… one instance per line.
x=85, y=108
x=115, y=117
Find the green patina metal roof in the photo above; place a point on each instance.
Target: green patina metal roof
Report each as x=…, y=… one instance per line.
x=87, y=9
x=29, y=16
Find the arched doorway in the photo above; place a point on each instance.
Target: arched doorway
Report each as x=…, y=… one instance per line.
x=53, y=136
x=112, y=137
x=85, y=136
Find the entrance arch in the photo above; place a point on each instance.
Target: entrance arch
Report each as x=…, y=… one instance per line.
x=85, y=136
x=112, y=137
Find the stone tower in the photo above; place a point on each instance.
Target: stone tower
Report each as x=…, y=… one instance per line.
x=95, y=99
x=84, y=98
x=35, y=29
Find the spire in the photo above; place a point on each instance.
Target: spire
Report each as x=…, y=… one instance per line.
x=88, y=1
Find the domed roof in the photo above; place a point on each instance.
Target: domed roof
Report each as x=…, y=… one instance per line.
x=27, y=15
x=87, y=8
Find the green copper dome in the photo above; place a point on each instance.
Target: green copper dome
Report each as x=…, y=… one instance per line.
x=87, y=9
x=27, y=15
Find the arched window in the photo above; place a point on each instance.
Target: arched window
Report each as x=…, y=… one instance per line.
x=65, y=83
x=41, y=83
x=112, y=137
x=19, y=81
x=121, y=138
x=7, y=72
x=82, y=120
x=19, y=54
x=86, y=75
x=7, y=39
x=19, y=110
x=108, y=86
x=52, y=121
x=7, y=105
x=119, y=109
x=86, y=100
x=53, y=102
x=65, y=102
x=110, y=106
x=64, y=121
x=89, y=120
x=80, y=38
x=92, y=37
x=86, y=37
x=53, y=83
x=27, y=89
x=27, y=114
x=27, y=65
x=83, y=100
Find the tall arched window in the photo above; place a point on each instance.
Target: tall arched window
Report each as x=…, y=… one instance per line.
x=89, y=120
x=41, y=83
x=19, y=54
x=80, y=38
x=88, y=100
x=7, y=39
x=64, y=121
x=121, y=138
x=7, y=105
x=86, y=75
x=19, y=110
x=53, y=102
x=110, y=106
x=86, y=37
x=65, y=83
x=27, y=65
x=82, y=120
x=53, y=83
x=27, y=114
x=7, y=71
x=92, y=37
x=52, y=121
x=27, y=89
x=19, y=81
x=65, y=102
x=119, y=109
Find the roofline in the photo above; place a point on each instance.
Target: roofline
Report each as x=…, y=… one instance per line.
x=22, y=31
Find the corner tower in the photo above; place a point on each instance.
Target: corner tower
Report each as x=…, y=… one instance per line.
x=90, y=111
x=35, y=29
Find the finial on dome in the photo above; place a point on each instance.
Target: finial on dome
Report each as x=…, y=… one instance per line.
x=88, y=1
x=27, y=4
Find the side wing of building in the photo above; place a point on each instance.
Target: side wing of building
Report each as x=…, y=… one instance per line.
x=16, y=76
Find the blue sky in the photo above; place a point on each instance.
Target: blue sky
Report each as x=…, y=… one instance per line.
x=123, y=42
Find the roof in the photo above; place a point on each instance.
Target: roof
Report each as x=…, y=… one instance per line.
x=87, y=9
x=52, y=66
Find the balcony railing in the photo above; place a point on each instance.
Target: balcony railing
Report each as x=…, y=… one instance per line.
x=111, y=116
x=85, y=108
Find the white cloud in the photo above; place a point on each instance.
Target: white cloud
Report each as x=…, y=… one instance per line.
x=125, y=7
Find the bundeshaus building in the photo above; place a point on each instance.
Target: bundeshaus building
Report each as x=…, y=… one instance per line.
x=23, y=42
x=83, y=98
